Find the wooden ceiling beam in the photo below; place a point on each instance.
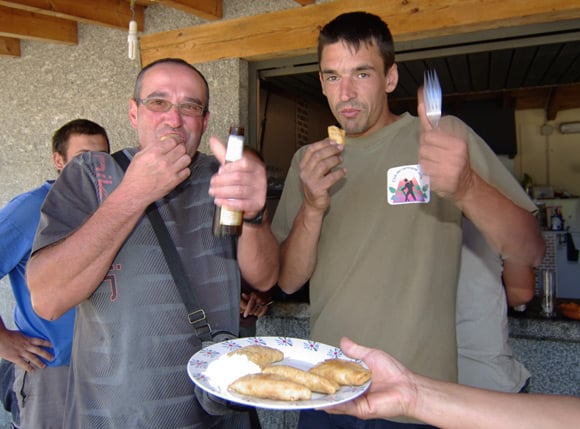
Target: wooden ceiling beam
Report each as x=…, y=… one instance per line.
x=550, y=99
x=207, y=9
x=294, y=31
x=27, y=25
x=562, y=98
x=305, y=2
x=9, y=47
x=110, y=13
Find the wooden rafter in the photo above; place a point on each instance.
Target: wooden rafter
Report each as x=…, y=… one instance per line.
x=27, y=25
x=9, y=47
x=110, y=13
x=207, y=9
x=293, y=32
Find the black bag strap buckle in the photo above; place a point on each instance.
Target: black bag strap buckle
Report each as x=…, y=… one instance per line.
x=200, y=324
x=196, y=316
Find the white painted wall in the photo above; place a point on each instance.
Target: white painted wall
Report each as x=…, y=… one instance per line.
x=549, y=159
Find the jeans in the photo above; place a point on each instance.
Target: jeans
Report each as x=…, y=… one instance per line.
x=7, y=394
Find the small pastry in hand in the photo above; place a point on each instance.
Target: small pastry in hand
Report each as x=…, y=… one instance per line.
x=260, y=355
x=344, y=372
x=337, y=134
x=314, y=382
x=270, y=386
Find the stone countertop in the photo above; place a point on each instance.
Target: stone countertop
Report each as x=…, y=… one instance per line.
x=297, y=310
x=285, y=319
x=291, y=319
x=532, y=325
x=548, y=347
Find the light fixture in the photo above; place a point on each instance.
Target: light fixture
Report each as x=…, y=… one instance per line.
x=569, y=127
x=132, y=38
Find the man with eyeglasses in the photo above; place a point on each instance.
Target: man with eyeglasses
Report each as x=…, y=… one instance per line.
x=189, y=108
x=95, y=249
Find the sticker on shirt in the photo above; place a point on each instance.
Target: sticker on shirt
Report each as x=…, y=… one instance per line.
x=406, y=184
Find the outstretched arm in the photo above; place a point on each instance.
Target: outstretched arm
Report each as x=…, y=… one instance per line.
x=396, y=391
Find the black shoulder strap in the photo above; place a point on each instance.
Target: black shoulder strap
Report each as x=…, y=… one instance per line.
x=196, y=317
x=122, y=159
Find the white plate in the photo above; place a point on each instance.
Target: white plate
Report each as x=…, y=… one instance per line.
x=299, y=353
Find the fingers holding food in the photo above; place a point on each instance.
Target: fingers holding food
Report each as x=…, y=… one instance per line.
x=336, y=134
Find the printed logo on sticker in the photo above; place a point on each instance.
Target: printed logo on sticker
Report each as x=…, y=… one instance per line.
x=407, y=185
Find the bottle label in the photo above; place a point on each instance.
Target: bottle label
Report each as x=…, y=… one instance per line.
x=230, y=217
x=235, y=147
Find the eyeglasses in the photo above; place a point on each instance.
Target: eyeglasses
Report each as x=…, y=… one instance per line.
x=160, y=105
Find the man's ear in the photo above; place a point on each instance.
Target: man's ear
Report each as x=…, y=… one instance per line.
x=133, y=107
x=321, y=83
x=205, y=122
x=392, y=79
x=58, y=161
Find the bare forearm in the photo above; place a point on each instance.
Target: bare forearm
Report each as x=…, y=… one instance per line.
x=259, y=256
x=298, y=252
x=452, y=406
x=519, y=281
x=512, y=231
x=64, y=274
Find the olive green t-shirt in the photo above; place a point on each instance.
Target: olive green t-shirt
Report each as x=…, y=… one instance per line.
x=386, y=275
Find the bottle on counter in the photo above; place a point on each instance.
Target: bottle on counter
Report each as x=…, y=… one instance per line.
x=556, y=220
x=229, y=222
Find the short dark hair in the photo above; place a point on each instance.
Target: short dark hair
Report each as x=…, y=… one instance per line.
x=139, y=80
x=354, y=28
x=60, y=138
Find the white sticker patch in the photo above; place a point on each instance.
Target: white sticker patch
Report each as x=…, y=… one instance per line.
x=407, y=185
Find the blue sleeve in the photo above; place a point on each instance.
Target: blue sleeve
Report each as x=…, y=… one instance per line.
x=18, y=222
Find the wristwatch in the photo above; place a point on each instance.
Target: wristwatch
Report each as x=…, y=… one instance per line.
x=258, y=219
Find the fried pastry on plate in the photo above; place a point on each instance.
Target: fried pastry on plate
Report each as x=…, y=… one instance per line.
x=344, y=372
x=270, y=386
x=314, y=382
x=260, y=355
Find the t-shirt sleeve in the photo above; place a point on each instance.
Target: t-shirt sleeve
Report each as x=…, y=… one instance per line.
x=489, y=167
x=290, y=200
x=73, y=198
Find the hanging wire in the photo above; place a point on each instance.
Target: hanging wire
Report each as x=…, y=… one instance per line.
x=132, y=38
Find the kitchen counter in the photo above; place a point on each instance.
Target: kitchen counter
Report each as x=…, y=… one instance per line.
x=549, y=348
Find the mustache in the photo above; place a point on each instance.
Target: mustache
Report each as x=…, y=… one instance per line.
x=351, y=104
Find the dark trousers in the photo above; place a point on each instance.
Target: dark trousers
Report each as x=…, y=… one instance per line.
x=7, y=395
x=321, y=420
